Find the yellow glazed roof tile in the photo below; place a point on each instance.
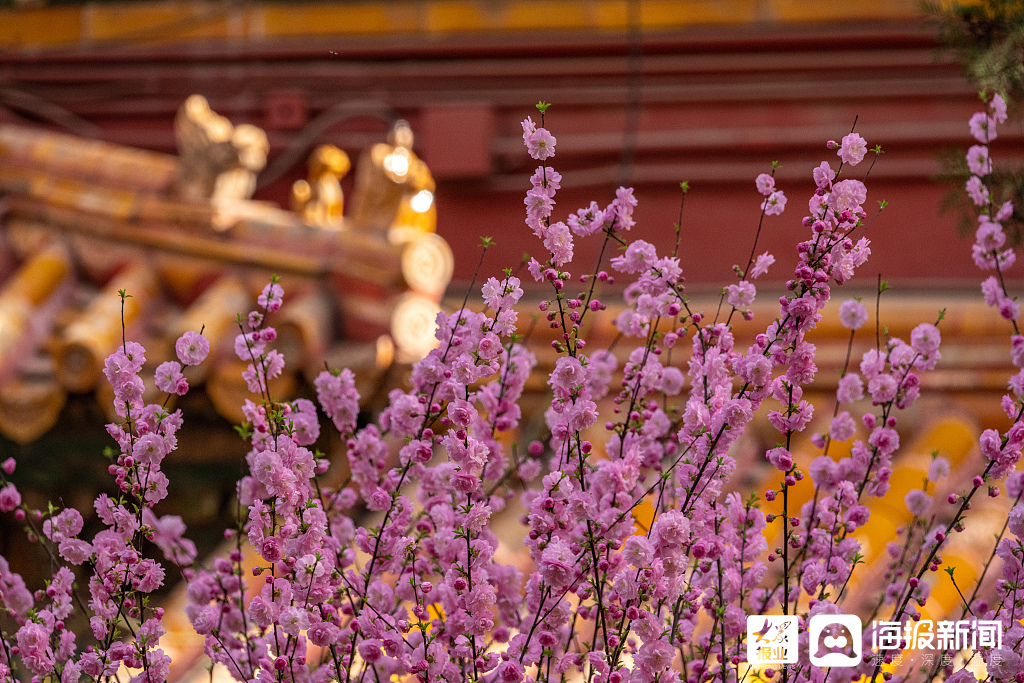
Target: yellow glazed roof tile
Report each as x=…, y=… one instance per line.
x=194, y=20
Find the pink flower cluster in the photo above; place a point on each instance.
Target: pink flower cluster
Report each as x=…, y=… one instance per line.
x=643, y=561
x=121, y=574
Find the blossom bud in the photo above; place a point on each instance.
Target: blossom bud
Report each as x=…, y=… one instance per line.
x=953, y=498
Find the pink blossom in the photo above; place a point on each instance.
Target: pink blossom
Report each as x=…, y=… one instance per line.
x=10, y=498
x=558, y=240
x=882, y=388
x=150, y=449
x=557, y=564
x=1009, y=309
x=977, y=191
x=461, y=412
x=992, y=291
x=1016, y=520
x=925, y=339
x=192, y=348
x=938, y=469
x=638, y=551
x=884, y=439
x=529, y=128
x=843, y=427
x=853, y=149
x=853, y=314
x=540, y=144
x=760, y=266
x=510, y=671
x=823, y=175
x=587, y=220
x=983, y=128
x=538, y=204
x=547, y=179
x=639, y=256
x=741, y=295
x=998, y=107
x=270, y=299
x=978, y=160
x=774, y=204
x=248, y=346
x=765, y=184
x=33, y=640
x=69, y=522
x=780, y=458
x=169, y=378
x=653, y=658
x=622, y=208
x=672, y=528
x=851, y=388
x=989, y=235
x=918, y=502
x=847, y=195
x=74, y=550
x=1004, y=212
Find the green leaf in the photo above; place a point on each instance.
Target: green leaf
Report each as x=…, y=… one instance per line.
x=542, y=106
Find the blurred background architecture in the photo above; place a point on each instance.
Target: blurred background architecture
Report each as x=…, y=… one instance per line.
x=185, y=150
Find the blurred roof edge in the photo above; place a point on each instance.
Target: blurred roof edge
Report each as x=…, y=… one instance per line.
x=232, y=27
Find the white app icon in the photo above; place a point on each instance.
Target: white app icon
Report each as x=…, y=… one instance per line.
x=771, y=639
x=834, y=640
